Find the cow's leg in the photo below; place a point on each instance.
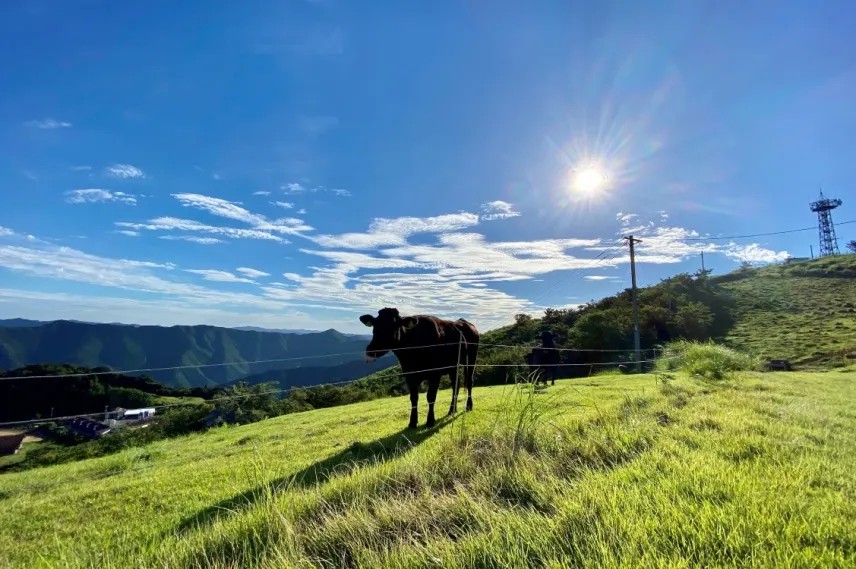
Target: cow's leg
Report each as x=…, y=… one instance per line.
x=469, y=372
x=413, y=387
x=433, y=385
x=453, y=406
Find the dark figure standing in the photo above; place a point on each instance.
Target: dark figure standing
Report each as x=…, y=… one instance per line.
x=545, y=358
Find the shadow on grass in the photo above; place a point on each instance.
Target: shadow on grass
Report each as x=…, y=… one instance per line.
x=356, y=455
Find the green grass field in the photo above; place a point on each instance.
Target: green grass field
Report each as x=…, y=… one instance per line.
x=805, y=312
x=612, y=471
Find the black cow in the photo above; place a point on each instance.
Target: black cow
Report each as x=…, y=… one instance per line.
x=545, y=359
x=427, y=348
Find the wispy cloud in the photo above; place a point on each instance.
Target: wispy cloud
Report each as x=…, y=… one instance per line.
x=219, y=276
x=252, y=273
x=178, y=224
x=284, y=205
x=95, y=195
x=298, y=188
x=124, y=171
x=128, y=233
x=599, y=278
x=497, y=210
x=48, y=124
x=192, y=239
x=261, y=193
x=82, y=168
x=316, y=125
x=394, y=231
x=231, y=210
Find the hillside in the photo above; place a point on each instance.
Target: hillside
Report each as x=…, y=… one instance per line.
x=123, y=347
x=605, y=472
x=804, y=312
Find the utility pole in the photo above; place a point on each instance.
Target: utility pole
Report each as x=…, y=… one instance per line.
x=702, y=261
x=811, y=248
x=636, y=345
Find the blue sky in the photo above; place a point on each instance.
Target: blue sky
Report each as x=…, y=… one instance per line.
x=297, y=164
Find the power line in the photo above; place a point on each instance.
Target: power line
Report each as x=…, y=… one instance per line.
x=812, y=228
x=294, y=387
x=275, y=360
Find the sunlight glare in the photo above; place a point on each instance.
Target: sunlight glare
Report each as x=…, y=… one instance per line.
x=588, y=181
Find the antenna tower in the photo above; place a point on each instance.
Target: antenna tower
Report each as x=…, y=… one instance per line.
x=825, y=227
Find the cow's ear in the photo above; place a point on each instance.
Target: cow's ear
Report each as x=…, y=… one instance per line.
x=367, y=319
x=409, y=322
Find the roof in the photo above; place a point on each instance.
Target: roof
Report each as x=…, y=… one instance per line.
x=11, y=443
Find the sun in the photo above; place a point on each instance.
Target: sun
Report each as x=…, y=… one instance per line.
x=588, y=181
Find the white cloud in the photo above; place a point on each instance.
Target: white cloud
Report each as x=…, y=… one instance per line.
x=284, y=205
x=341, y=192
x=5, y=231
x=497, y=209
x=94, y=195
x=177, y=224
x=216, y=176
x=261, y=193
x=192, y=239
x=231, y=210
x=293, y=188
x=48, y=124
x=386, y=232
x=301, y=211
x=219, y=276
x=129, y=233
x=124, y=171
x=252, y=273
x=754, y=253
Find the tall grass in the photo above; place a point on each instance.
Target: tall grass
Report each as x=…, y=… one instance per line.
x=602, y=472
x=709, y=360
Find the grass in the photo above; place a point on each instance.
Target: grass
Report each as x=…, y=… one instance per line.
x=805, y=312
x=665, y=470
x=709, y=360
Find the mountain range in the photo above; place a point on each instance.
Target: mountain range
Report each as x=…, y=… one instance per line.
x=205, y=355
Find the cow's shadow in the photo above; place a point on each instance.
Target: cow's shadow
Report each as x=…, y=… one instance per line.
x=356, y=455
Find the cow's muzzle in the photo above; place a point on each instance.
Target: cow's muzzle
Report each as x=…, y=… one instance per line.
x=372, y=355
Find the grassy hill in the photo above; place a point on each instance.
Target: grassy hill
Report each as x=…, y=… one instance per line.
x=123, y=347
x=805, y=312
x=614, y=471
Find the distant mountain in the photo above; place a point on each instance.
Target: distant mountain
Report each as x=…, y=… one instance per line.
x=277, y=330
x=222, y=354
x=316, y=375
x=19, y=323
x=298, y=331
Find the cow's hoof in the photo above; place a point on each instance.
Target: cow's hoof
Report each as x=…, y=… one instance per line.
x=469, y=405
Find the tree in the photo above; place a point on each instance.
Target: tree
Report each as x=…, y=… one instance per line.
x=851, y=245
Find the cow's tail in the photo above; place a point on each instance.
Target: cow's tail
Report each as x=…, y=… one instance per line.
x=470, y=354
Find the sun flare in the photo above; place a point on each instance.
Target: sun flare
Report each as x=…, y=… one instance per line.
x=588, y=181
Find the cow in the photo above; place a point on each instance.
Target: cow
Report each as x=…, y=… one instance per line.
x=427, y=347
x=545, y=359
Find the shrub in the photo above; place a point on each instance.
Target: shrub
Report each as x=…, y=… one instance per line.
x=707, y=359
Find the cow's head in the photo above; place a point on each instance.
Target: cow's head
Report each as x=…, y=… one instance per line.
x=387, y=328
